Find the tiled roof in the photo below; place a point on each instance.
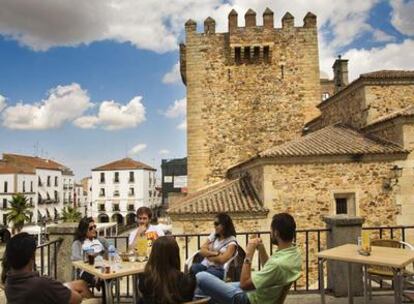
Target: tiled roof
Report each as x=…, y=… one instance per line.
x=384, y=74
x=8, y=168
x=409, y=111
x=124, y=164
x=333, y=140
x=34, y=162
x=231, y=196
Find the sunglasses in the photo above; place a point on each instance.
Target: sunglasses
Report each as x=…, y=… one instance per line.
x=92, y=227
x=216, y=223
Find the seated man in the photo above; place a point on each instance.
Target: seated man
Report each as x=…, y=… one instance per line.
x=151, y=232
x=23, y=285
x=266, y=285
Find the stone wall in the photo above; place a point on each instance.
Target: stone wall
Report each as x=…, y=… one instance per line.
x=360, y=104
x=348, y=108
x=235, y=110
x=385, y=99
x=307, y=191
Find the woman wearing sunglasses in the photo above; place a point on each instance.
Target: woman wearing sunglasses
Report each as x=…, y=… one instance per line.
x=220, y=247
x=86, y=237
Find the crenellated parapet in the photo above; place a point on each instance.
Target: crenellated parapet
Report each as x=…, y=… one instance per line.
x=250, y=22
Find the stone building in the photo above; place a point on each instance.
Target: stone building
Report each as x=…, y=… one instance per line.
x=352, y=155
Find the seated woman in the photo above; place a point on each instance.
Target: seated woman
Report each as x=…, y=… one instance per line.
x=220, y=247
x=162, y=281
x=86, y=237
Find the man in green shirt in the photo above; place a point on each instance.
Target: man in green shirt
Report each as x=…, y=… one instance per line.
x=266, y=285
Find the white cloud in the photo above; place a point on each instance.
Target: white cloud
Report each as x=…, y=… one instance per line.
x=382, y=36
x=173, y=76
x=164, y=152
x=63, y=104
x=402, y=16
x=158, y=24
x=114, y=116
x=393, y=56
x=182, y=125
x=2, y=103
x=179, y=108
x=137, y=149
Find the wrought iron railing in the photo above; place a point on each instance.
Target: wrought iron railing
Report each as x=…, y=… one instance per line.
x=46, y=258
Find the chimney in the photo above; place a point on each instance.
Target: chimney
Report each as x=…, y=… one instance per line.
x=250, y=18
x=232, y=21
x=209, y=26
x=268, y=19
x=340, y=69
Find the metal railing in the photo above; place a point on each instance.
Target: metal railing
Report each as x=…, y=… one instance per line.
x=46, y=258
x=309, y=241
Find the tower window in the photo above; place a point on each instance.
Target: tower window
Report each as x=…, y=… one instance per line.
x=237, y=55
x=247, y=54
x=256, y=53
x=266, y=54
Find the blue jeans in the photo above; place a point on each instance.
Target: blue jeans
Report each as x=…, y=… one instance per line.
x=220, y=291
x=214, y=270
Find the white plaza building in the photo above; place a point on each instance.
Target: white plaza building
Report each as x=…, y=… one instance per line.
x=120, y=188
x=48, y=185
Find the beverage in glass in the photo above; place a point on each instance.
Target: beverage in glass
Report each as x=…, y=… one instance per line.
x=141, y=248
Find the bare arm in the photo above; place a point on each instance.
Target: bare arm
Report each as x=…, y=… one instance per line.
x=222, y=258
x=263, y=256
x=246, y=282
x=205, y=250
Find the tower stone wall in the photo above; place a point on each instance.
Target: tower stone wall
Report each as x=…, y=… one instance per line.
x=248, y=89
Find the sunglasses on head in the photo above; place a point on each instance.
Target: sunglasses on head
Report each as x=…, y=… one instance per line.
x=92, y=227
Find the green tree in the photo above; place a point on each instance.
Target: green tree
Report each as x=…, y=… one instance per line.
x=70, y=214
x=19, y=212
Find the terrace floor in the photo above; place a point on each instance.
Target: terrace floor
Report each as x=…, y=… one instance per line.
x=300, y=299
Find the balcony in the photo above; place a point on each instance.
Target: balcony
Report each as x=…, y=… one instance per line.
x=116, y=180
x=115, y=208
x=101, y=208
x=102, y=181
x=65, y=187
x=131, y=180
x=131, y=208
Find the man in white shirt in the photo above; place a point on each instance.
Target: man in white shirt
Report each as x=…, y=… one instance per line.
x=152, y=232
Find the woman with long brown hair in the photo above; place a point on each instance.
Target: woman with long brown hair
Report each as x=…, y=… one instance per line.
x=162, y=281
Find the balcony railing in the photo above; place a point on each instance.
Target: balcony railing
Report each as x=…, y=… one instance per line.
x=115, y=208
x=131, y=208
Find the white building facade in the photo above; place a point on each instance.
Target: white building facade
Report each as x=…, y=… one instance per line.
x=42, y=181
x=120, y=188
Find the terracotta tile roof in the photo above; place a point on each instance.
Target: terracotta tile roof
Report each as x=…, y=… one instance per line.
x=124, y=164
x=406, y=112
x=384, y=74
x=333, y=140
x=231, y=196
x=9, y=168
x=35, y=162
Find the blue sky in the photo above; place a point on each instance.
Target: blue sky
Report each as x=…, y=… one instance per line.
x=89, y=82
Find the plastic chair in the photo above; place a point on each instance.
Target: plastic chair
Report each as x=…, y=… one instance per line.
x=189, y=262
x=381, y=273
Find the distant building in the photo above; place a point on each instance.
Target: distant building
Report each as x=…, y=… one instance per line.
x=174, y=179
x=120, y=188
x=86, y=183
x=48, y=185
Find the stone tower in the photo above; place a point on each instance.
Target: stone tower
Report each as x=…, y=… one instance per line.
x=247, y=90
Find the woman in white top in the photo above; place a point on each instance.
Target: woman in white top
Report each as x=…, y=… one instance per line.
x=220, y=247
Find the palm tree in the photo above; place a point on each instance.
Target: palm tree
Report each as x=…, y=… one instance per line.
x=19, y=212
x=70, y=214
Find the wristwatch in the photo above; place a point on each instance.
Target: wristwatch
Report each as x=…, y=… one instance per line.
x=247, y=260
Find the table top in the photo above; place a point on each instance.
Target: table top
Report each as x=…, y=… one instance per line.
x=126, y=268
x=380, y=256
